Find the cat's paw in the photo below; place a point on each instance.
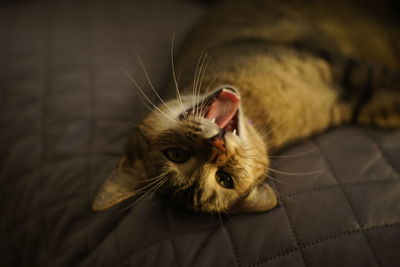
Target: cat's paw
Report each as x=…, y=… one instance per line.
x=382, y=111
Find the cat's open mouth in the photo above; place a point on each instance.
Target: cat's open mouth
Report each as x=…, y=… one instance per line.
x=221, y=107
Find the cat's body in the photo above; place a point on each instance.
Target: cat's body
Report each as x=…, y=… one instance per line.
x=254, y=76
x=290, y=59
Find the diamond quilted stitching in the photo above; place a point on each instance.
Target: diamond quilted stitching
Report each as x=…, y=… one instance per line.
x=386, y=243
x=295, y=171
x=189, y=221
x=288, y=258
x=389, y=145
x=376, y=203
x=316, y=214
x=255, y=242
x=206, y=248
x=354, y=212
x=359, y=165
x=349, y=250
x=159, y=255
x=144, y=225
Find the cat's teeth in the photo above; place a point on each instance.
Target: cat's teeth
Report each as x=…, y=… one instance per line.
x=213, y=120
x=234, y=132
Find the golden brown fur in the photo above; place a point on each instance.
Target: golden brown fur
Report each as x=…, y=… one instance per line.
x=251, y=45
x=299, y=68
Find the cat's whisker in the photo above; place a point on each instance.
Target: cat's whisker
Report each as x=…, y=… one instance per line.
x=206, y=93
x=276, y=191
x=153, y=190
x=152, y=183
x=203, y=70
x=264, y=126
x=202, y=107
x=209, y=85
x=295, y=173
x=220, y=221
x=161, y=120
x=174, y=74
x=218, y=212
x=145, y=96
x=279, y=171
x=255, y=159
x=145, y=103
x=252, y=166
x=275, y=126
x=158, y=114
x=150, y=83
x=137, y=200
x=294, y=155
x=195, y=79
x=264, y=130
x=223, y=228
x=161, y=182
x=155, y=181
x=155, y=178
x=152, y=110
x=198, y=82
x=283, y=182
x=185, y=115
x=229, y=217
x=246, y=149
x=197, y=75
x=279, y=181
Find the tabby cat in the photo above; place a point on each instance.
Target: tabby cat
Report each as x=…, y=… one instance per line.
x=269, y=73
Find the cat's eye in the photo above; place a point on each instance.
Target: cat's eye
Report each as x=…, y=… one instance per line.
x=177, y=155
x=224, y=179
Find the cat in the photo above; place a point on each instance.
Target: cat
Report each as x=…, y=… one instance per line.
x=269, y=73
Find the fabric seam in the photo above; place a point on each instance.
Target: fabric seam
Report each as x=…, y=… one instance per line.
x=350, y=205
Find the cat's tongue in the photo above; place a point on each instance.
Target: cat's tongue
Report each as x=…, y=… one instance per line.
x=223, y=108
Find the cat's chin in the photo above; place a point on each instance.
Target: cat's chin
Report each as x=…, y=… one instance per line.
x=221, y=107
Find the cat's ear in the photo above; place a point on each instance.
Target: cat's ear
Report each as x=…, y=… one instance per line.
x=125, y=178
x=261, y=198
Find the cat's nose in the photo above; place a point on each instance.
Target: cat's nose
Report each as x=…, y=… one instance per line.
x=218, y=149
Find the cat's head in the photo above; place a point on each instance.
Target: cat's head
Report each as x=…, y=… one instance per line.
x=200, y=152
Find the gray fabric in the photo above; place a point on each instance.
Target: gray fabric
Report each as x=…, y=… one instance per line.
x=67, y=107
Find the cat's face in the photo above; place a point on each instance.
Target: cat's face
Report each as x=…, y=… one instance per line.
x=200, y=152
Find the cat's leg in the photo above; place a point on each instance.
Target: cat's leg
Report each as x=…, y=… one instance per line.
x=368, y=94
x=382, y=111
x=373, y=91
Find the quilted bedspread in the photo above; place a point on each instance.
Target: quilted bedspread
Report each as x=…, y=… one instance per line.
x=67, y=107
